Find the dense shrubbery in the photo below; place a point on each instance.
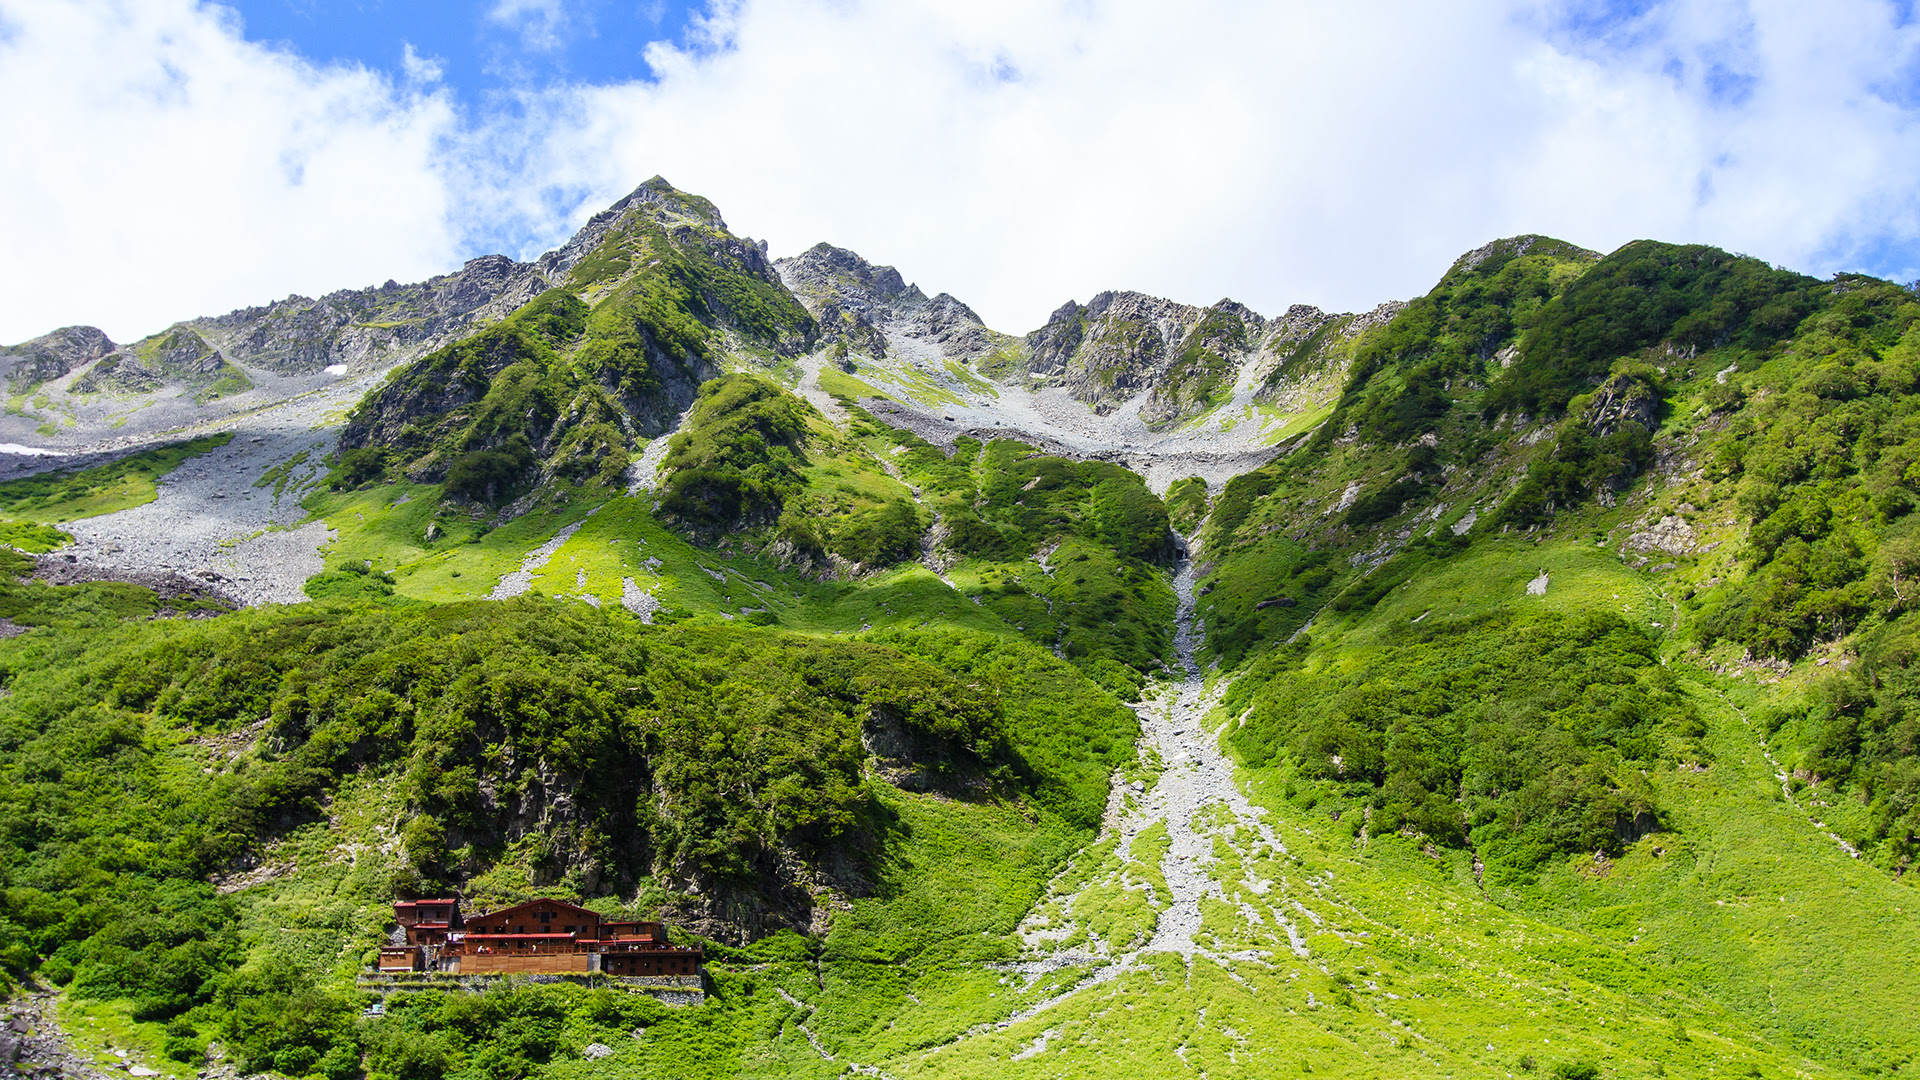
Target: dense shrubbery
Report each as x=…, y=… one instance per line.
x=483, y=411
x=1100, y=533
x=1860, y=733
x=737, y=459
x=1186, y=502
x=490, y=475
x=1512, y=734
x=1694, y=296
x=1826, y=459
x=1581, y=465
x=690, y=752
x=1401, y=381
x=355, y=467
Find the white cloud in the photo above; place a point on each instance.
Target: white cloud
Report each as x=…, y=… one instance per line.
x=420, y=69
x=1018, y=153
x=1013, y=152
x=540, y=23
x=158, y=168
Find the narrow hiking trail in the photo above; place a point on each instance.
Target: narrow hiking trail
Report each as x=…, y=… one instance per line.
x=1778, y=771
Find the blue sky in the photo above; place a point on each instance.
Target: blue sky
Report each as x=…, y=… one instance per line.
x=479, y=48
x=176, y=158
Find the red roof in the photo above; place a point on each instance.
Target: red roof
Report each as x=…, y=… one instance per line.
x=488, y=916
x=504, y=937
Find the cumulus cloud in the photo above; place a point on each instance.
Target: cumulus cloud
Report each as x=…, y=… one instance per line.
x=1013, y=152
x=159, y=168
x=1339, y=154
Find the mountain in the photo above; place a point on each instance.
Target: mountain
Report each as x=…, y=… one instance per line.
x=1511, y=680
x=871, y=309
x=656, y=297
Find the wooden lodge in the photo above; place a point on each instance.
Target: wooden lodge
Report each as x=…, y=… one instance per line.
x=537, y=937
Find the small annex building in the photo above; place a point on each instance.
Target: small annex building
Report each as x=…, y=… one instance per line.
x=537, y=937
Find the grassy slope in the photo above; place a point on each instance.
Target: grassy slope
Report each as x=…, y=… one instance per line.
x=1742, y=940
x=1670, y=961
x=28, y=507
x=1749, y=904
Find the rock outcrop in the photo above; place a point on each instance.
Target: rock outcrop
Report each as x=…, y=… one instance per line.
x=1123, y=344
x=51, y=356
x=873, y=310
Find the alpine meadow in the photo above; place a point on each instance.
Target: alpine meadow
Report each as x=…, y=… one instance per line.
x=1517, y=680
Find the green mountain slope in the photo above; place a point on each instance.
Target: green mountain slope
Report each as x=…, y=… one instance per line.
x=1544, y=710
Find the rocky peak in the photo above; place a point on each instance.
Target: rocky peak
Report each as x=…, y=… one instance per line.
x=826, y=275
x=1499, y=252
x=53, y=355
x=663, y=198
x=871, y=308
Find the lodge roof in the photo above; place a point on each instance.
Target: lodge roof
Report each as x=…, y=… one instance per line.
x=534, y=903
x=424, y=903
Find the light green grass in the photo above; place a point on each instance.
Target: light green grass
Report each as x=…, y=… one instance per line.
x=52, y=498
x=95, y=1029
x=1493, y=575
x=834, y=381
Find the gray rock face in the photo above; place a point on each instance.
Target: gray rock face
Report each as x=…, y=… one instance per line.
x=53, y=355
x=394, y=323
x=177, y=357
x=1620, y=401
x=1123, y=343
x=372, y=326
x=200, y=370
x=873, y=310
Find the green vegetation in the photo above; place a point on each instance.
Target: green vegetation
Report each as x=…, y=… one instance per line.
x=475, y=411
x=1520, y=736
x=555, y=392
x=1068, y=553
x=1566, y=667
x=737, y=459
x=642, y=740
x=1696, y=297
x=65, y=495
x=32, y=538
x=1186, y=502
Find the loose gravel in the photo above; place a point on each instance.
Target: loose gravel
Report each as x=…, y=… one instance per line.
x=211, y=522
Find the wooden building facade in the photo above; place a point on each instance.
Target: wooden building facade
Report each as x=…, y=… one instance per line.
x=537, y=937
